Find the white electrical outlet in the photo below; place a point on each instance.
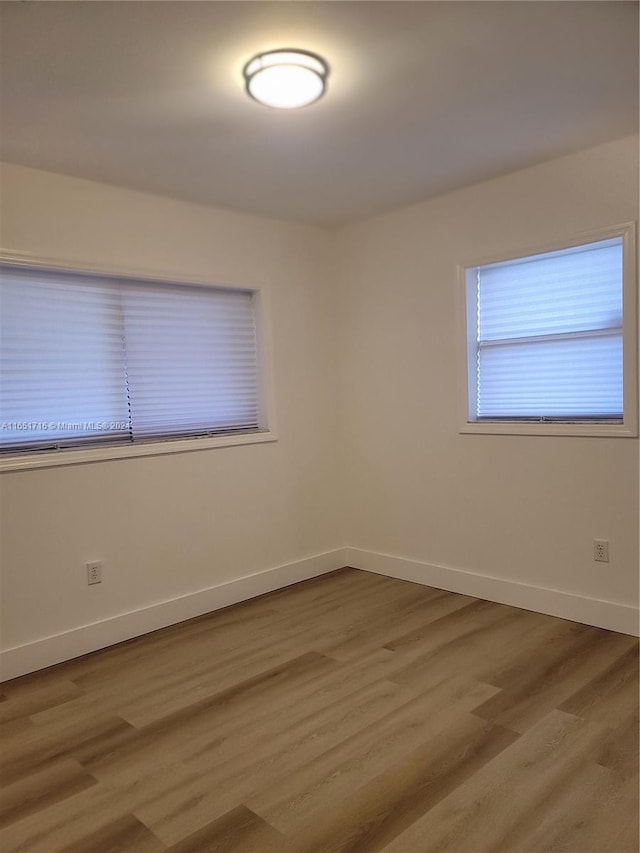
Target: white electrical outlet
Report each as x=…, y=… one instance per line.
x=601, y=550
x=94, y=572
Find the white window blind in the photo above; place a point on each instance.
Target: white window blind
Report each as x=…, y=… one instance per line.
x=549, y=336
x=62, y=360
x=191, y=360
x=87, y=359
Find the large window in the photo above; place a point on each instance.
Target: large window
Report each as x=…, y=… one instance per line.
x=549, y=341
x=90, y=361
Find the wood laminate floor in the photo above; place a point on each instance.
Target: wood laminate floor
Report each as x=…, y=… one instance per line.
x=352, y=712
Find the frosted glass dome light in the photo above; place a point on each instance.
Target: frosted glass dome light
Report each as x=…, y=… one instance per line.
x=286, y=79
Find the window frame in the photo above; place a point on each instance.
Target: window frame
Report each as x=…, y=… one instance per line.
x=466, y=315
x=266, y=431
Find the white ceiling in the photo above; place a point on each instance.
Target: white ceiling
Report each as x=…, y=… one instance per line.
x=423, y=97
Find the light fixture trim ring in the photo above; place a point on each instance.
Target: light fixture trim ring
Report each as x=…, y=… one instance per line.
x=317, y=66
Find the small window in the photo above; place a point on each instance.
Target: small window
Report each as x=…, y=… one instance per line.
x=90, y=361
x=549, y=342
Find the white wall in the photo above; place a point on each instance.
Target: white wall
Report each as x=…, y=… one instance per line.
x=171, y=525
x=369, y=452
x=519, y=508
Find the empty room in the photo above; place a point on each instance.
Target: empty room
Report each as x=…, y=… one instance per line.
x=319, y=473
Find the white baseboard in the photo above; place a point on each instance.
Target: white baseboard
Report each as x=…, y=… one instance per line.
x=577, y=608
x=47, y=651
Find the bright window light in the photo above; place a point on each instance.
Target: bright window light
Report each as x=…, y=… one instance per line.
x=90, y=359
x=550, y=337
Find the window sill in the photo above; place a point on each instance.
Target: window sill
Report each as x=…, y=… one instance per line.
x=586, y=430
x=79, y=456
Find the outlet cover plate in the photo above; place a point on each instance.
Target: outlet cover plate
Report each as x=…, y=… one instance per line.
x=94, y=572
x=601, y=550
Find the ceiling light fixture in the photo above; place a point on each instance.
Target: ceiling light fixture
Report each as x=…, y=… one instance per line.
x=286, y=78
